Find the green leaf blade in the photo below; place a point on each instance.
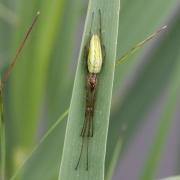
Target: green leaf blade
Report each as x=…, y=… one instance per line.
x=97, y=145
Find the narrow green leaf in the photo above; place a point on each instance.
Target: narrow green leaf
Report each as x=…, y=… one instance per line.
x=136, y=24
x=139, y=45
x=97, y=145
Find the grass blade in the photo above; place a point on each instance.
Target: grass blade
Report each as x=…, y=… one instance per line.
x=72, y=142
x=138, y=46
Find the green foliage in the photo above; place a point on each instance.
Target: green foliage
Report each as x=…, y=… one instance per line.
x=40, y=86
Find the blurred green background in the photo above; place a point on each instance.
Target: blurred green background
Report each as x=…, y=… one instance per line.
x=145, y=96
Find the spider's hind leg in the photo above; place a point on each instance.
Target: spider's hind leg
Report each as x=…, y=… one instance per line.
x=91, y=128
x=100, y=35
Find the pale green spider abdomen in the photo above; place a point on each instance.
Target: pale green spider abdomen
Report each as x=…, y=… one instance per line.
x=95, y=55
